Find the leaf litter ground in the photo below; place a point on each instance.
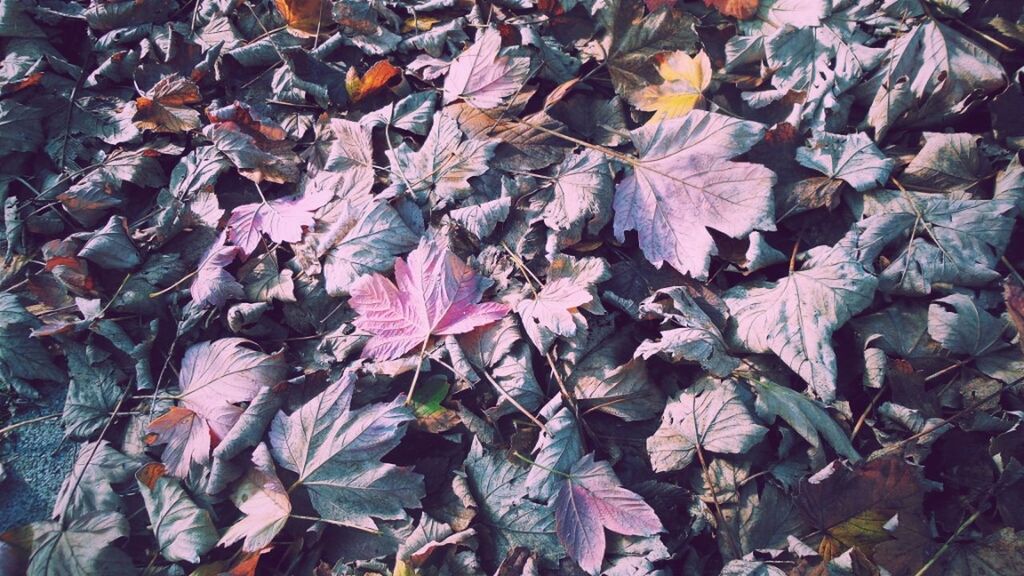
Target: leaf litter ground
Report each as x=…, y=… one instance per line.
x=443, y=287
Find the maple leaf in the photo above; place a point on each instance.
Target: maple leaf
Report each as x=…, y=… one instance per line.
x=712, y=415
x=483, y=78
x=183, y=530
x=263, y=500
x=256, y=146
x=685, y=79
x=214, y=377
x=364, y=238
x=855, y=505
x=81, y=546
x=336, y=453
x=436, y=295
x=444, y=163
x=555, y=310
x=634, y=38
x=213, y=286
x=684, y=183
x=282, y=219
x=591, y=499
x=796, y=317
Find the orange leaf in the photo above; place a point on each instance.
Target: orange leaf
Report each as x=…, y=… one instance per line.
x=375, y=79
x=742, y=9
x=305, y=18
x=150, y=473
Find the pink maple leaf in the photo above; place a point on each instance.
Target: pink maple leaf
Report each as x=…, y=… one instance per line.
x=437, y=295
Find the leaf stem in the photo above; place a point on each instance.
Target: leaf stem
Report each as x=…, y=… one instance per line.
x=1013, y=270
x=419, y=368
x=501, y=391
x=945, y=547
x=719, y=517
x=519, y=455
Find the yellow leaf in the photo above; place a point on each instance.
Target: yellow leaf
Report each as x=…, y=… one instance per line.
x=419, y=24
x=685, y=77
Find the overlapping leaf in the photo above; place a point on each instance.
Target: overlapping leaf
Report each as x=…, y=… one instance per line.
x=684, y=183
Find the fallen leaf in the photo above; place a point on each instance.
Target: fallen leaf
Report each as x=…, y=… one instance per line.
x=374, y=80
x=437, y=295
x=684, y=183
x=215, y=376
x=742, y=9
x=482, y=77
x=684, y=80
x=590, y=500
x=306, y=18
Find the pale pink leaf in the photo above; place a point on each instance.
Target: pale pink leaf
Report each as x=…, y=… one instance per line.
x=282, y=220
x=213, y=286
x=215, y=377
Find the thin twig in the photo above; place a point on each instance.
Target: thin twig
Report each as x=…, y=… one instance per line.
x=864, y=416
x=173, y=286
x=419, y=368
x=945, y=547
x=1013, y=270
x=501, y=391
x=8, y=429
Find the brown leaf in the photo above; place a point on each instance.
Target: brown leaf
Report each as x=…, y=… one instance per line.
x=856, y=506
x=742, y=9
x=256, y=146
x=164, y=107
